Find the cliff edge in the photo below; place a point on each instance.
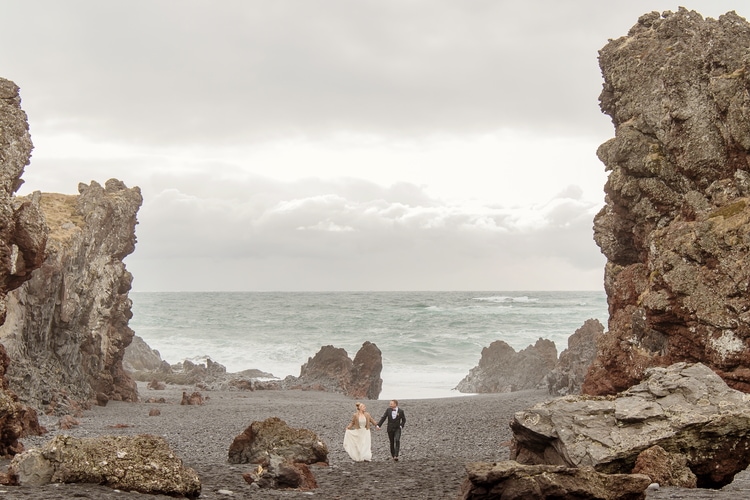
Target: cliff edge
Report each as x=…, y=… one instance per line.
x=67, y=327
x=676, y=225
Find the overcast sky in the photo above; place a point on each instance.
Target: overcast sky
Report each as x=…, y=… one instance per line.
x=331, y=144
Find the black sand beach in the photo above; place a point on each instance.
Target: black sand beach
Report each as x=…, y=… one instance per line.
x=441, y=436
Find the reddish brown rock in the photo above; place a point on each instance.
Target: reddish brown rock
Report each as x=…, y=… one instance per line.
x=282, y=474
x=676, y=224
x=667, y=469
x=68, y=422
x=154, y=412
x=156, y=385
x=502, y=369
x=196, y=398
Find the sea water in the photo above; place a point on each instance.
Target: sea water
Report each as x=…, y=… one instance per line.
x=429, y=340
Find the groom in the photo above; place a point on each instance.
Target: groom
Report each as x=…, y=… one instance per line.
x=396, y=420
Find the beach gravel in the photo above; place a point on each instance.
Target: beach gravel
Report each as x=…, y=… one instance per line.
x=440, y=437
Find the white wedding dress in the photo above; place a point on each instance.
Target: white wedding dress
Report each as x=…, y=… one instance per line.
x=357, y=442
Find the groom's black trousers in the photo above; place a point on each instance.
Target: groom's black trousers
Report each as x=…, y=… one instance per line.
x=394, y=436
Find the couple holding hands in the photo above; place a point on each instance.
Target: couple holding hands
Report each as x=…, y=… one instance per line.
x=357, y=439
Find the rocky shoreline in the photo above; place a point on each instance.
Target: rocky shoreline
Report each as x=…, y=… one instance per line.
x=441, y=436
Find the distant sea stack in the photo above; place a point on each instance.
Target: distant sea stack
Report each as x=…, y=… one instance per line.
x=676, y=225
x=67, y=328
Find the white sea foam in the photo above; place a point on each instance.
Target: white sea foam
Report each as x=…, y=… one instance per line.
x=429, y=340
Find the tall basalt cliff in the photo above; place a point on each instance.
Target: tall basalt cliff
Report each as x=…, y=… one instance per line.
x=23, y=236
x=67, y=328
x=676, y=225
x=23, y=231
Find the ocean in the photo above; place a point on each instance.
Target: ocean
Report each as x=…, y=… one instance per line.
x=429, y=340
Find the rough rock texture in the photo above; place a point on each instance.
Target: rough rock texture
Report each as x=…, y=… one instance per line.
x=331, y=369
x=502, y=369
x=273, y=437
x=676, y=225
x=141, y=463
x=23, y=230
x=67, y=328
x=16, y=419
x=570, y=371
x=281, y=473
x=664, y=468
x=139, y=357
x=23, y=239
x=509, y=480
x=685, y=408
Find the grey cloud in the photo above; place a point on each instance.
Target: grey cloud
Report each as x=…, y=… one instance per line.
x=340, y=225
x=165, y=72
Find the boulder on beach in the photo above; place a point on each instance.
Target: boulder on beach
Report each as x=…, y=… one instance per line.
x=675, y=228
x=686, y=409
x=273, y=436
x=510, y=480
x=142, y=463
x=502, y=369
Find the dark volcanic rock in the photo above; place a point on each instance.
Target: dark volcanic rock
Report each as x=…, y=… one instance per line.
x=676, y=225
x=331, y=369
x=67, y=328
x=23, y=230
x=273, y=437
x=502, y=369
x=570, y=371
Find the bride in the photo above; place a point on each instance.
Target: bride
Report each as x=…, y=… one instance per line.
x=357, y=438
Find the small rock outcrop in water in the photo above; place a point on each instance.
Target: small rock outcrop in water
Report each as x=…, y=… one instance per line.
x=676, y=224
x=510, y=480
x=67, y=327
x=570, y=371
x=141, y=463
x=332, y=370
x=502, y=369
x=686, y=409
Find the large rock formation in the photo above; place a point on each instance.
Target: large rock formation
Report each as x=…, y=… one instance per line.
x=502, y=369
x=574, y=362
x=23, y=237
x=23, y=231
x=331, y=369
x=686, y=409
x=67, y=328
x=676, y=225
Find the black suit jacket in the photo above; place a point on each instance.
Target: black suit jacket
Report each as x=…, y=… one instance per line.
x=393, y=423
